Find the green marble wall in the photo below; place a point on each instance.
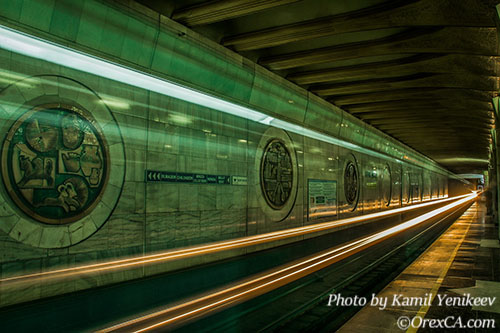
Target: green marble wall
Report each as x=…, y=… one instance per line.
x=161, y=133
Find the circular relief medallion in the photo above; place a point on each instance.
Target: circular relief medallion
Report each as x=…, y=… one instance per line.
x=351, y=183
x=55, y=163
x=276, y=174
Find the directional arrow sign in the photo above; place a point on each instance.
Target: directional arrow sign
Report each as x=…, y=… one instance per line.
x=190, y=178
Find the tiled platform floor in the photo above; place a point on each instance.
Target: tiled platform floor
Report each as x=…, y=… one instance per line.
x=464, y=260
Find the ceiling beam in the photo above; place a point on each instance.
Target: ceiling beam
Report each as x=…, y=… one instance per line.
x=399, y=121
x=428, y=63
x=462, y=40
x=216, y=11
x=387, y=15
x=445, y=112
x=470, y=149
x=424, y=125
x=435, y=154
x=441, y=141
x=407, y=93
x=469, y=152
x=444, y=137
x=450, y=151
x=419, y=104
x=485, y=83
x=484, y=115
x=427, y=127
x=423, y=130
x=434, y=149
x=455, y=152
x=444, y=148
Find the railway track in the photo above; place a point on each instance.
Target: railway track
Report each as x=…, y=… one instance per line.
x=298, y=289
x=303, y=307
x=295, y=303
x=317, y=317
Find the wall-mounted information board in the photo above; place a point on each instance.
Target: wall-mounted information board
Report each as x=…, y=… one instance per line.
x=322, y=195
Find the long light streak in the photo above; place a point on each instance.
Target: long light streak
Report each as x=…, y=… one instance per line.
x=211, y=247
x=274, y=279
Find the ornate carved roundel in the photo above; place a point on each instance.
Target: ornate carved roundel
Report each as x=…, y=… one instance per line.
x=351, y=183
x=276, y=174
x=55, y=163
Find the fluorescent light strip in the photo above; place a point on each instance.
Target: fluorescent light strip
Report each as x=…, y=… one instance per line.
x=36, y=48
x=21, y=43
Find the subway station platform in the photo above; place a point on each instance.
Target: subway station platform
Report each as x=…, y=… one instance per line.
x=226, y=165
x=461, y=267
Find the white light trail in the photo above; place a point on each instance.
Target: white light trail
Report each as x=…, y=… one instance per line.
x=273, y=279
x=232, y=244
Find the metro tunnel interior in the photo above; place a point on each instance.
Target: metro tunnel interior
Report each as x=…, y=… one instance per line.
x=249, y=166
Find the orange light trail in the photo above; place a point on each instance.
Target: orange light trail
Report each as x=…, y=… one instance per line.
x=271, y=280
x=208, y=248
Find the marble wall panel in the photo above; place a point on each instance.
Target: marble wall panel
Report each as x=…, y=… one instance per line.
x=69, y=89
x=254, y=215
x=11, y=250
x=207, y=197
x=202, y=165
x=199, y=144
x=6, y=58
x=88, y=33
x=126, y=230
x=122, y=98
x=187, y=227
x=211, y=222
x=95, y=243
x=50, y=86
x=10, y=296
x=225, y=197
x=57, y=287
x=25, y=65
x=31, y=88
x=12, y=10
x=188, y=197
x=11, y=99
x=191, y=142
x=161, y=161
x=137, y=49
x=113, y=33
x=134, y=130
x=160, y=231
x=162, y=198
x=132, y=198
x=234, y=223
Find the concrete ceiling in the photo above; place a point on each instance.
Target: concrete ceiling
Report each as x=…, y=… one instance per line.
x=425, y=71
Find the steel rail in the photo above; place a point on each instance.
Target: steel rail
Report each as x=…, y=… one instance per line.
x=269, y=281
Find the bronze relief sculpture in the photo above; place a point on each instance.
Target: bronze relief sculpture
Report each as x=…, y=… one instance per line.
x=276, y=174
x=55, y=163
x=351, y=183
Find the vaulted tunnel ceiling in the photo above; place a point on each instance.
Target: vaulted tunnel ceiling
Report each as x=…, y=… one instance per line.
x=422, y=71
